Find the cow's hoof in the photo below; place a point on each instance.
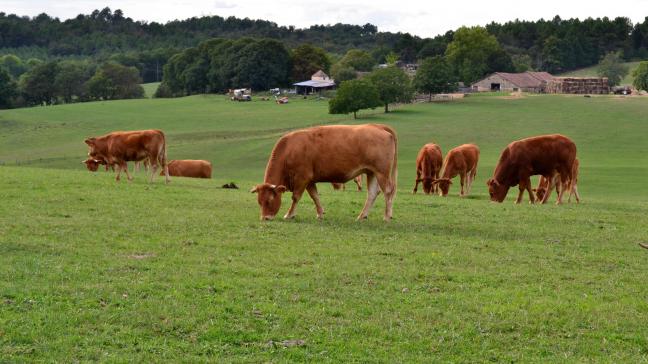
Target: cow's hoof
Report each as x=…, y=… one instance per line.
x=287, y=217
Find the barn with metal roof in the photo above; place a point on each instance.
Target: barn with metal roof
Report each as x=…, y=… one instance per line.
x=319, y=82
x=502, y=81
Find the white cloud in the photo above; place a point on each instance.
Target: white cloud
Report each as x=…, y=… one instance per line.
x=424, y=18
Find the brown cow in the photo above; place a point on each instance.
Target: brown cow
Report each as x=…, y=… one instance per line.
x=118, y=148
x=428, y=167
x=461, y=161
x=544, y=155
x=93, y=165
x=543, y=185
x=189, y=168
x=342, y=186
x=334, y=153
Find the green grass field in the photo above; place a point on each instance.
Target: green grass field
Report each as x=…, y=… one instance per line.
x=94, y=270
x=150, y=88
x=592, y=72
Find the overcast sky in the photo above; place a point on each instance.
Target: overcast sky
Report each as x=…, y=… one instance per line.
x=420, y=17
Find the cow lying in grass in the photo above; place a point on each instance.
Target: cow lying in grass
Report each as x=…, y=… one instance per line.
x=334, y=154
x=189, y=168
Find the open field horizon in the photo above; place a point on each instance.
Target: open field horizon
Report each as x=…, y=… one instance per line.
x=96, y=270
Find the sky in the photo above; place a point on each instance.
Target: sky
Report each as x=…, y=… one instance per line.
x=419, y=17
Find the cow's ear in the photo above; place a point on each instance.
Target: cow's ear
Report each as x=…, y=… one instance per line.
x=90, y=141
x=280, y=189
x=254, y=189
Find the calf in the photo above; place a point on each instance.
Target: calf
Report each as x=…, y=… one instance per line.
x=544, y=155
x=428, y=167
x=461, y=161
x=332, y=153
x=341, y=186
x=544, y=186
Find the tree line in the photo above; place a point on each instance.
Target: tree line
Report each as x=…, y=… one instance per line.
x=553, y=45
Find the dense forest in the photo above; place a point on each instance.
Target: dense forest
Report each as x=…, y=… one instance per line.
x=212, y=53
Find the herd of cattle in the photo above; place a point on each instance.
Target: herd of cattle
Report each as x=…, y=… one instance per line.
x=340, y=153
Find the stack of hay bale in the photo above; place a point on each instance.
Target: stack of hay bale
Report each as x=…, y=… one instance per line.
x=578, y=85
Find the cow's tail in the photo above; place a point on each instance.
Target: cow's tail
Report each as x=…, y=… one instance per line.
x=162, y=158
x=394, y=168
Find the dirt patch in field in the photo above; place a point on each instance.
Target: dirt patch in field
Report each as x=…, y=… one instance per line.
x=513, y=96
x=141, y=256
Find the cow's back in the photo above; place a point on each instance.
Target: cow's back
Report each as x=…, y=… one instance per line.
x=336, y=153
x=543, y=154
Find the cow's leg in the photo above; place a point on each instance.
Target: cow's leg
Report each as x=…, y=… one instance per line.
x=462, y=176
x=358, y=181
x=527, y=184
x=388, y=189
x=137, y=167
x=574, y=191
x=296, y=196
x=561, y=187
x=550, y=186
x=125, y=168
x=473, y=173
x=372, y=192
x=416, y=183
x=312, y=191
x=118, y=177
x=154, y=168
x=521, y=193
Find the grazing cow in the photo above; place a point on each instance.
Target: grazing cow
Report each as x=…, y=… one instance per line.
x=342, y=186
x=189, y=168
x=334, y=153
x=461, y=161
x=543, y=185
x=93, y=164
x=544, y=155
x=428, y=167
x=118, y=148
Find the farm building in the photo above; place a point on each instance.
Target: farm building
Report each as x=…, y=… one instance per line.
x=578, y=85
x=319, y=82
x=501, y=81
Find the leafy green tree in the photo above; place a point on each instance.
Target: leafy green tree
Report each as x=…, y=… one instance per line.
x=435, y=75
x=640, y=75
x=39, y=84
x=341, y=74
x=306, y=60
x=263, y=64
x=8, y=89
x=474, y=52
x=393, y=85
x=612, y=67
x=13, y=65
x=71, y=78
x=391, y=58
x=357, y=59
x=113, y=81
x=522, y=63
x=353, y=96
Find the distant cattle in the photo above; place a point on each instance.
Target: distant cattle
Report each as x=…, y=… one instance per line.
x=428, y=167
x=342, y=186
x=334, y=153
x=189, y=168
x=461, y=161
x=542, y=155
x=544, y=184
x=118, y=148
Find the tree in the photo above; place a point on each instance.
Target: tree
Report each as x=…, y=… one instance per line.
x=112, y=81
x=341, y=74
x=306, y=60
x=393, y=85
x=474, y=52
x=435, y=75
x=39, y=84
x=353, y=96
x=263, y=64
x=13, y=65
x=358, y=59
x=8, y=89
x=612, y=67
x=640, y=75
x=70, y=79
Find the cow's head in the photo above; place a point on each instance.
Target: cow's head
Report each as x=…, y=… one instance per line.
x=92, y=146
x=444, y=185
x=496, y=190
x=269, y=198
x=540, y=192
x=92, y=164
x=428, y=184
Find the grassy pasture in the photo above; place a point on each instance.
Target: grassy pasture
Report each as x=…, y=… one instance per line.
x=94, y=270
